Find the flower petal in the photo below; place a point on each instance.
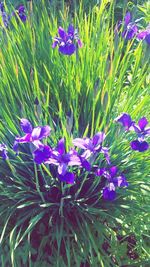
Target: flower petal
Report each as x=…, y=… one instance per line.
x=24, y=139
x=61, y=146
x=142, y=123
x=139, y=146
x=125, y=120
x=62, y=33
x=98, y=138
x=109, y=194
x=71, y=29
x=26, y=126
x=127, y=18
x=147, y=39
x=45, y=131
x=81, y=142
x=67, y=49
x=68, y=177
x=80, y=44
x=113, y=171
x=42, y=155
x=62, y=168
x=141, y=35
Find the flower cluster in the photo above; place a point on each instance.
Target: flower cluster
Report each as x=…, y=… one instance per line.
x=20, y=11
x=130, y=29
x=67, y=166
x=141, y=129
x=67, y=40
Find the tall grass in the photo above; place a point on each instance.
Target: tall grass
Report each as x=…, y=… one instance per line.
x=77, y=96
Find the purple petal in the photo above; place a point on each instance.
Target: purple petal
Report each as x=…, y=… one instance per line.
x=147, y=39
x=120, y=181
x=113, y=171
x=142, y=123
x=130, y=33
x=74, y=160
x=45, y=132
x=125, y=120
x=3, y=151
x=109, y=194
x=62, y=168
x=24, y=139
x=142, y=35
x=85, y=164
x=61, y=146
x=100, y=171
x=40, y=132
x=21, y=8
x=98, y=138
x=42, y=155
x=81, y=142
x=105, y=151
x=139, y=146
x=16, y=147
x=80, y=44
x=26, y=126
x=67, y=49
x=62, y=33
x=36, y=133
x=55, y=43
x=71, y=30
x=68, y=177
x=127, y=18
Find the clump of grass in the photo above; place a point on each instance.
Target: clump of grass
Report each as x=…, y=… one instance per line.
x=77, y=96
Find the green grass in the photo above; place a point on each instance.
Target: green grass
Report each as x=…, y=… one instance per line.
x=78, y=96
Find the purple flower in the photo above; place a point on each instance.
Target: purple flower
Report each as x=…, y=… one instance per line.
x=126, y=121
x=32, y=135
x=145, y=35
x=140, y=146
x=21, y=13
x=113, y=181
x=60, y=158
x=66, y=40
x=129, y=28
x=141, y=128
x=90, y=145
x=3, y=151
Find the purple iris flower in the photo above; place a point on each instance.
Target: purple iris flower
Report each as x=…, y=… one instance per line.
x=3, y=151
x=126, y=121
x=141, y=130
x=145, y=35
x=60, y=158
x=113, y=179
x=21, y=13
x=32, y=135
x=92, y=145
x=130, y=28
x=66, y=40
